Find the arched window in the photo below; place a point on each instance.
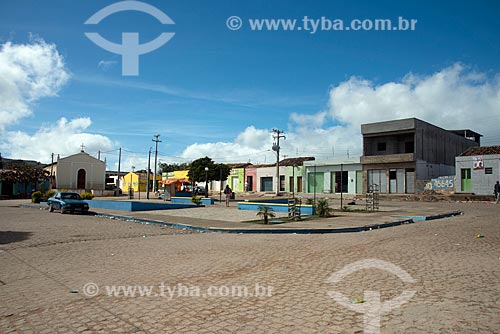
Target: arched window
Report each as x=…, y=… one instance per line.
x=80, y=184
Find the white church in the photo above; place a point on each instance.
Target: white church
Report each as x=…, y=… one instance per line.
x=80, y=171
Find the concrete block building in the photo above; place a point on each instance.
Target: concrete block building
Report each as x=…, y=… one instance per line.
x=477, y=170
x=401, y=156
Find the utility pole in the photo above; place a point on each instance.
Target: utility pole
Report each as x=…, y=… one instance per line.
x=118, y=177
x=99, y=155
x=277, y=134
x=156, y=157
x=149, y=173
x=341, y=184
x=51, y=169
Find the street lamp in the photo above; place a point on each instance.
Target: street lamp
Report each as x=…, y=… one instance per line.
x=206, y=182
x=130, y=194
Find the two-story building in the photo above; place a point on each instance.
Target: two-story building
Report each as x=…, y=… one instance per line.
x=401, y=156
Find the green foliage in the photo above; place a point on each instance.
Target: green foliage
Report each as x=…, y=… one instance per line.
x=196, y=200
x=165, y=168
x=24, y=173
x=87, y=195
x=49, y=193
x=215, y=171
x=323, y=208
x=266, y=212
x=36, y=197
x=309, y=201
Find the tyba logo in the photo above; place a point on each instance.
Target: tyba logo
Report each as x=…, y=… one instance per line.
x=130, y=49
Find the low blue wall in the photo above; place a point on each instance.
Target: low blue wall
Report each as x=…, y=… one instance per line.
x=305, y=209
x=136, y=206
x=277, y=201
x=187, y=200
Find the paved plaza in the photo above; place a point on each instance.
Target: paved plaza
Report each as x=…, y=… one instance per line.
x=58, y=272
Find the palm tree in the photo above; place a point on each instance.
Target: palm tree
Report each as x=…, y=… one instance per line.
x=323, y=208
x=266, y=212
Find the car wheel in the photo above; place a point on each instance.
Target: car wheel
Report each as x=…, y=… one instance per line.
x=51, y=208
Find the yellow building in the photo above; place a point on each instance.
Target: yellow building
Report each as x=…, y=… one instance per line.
x=180, y=174
x=138, y=181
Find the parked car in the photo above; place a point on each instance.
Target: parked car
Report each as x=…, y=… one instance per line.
x=199, y=190
x=67, y=202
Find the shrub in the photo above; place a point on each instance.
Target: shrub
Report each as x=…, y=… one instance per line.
x=323, y=208
x=49, y=193
x=87, y=195
x=196, y=200
x=36, y=197
x=309, y=201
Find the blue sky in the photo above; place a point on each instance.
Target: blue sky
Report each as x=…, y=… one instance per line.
x=211, y=90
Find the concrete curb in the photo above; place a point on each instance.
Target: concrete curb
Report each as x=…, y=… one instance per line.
x=278, y=230
x=365, y=228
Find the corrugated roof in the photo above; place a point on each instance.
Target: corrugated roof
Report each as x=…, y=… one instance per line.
x=481, y=150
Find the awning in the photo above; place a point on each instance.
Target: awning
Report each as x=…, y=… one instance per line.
x=174, y=180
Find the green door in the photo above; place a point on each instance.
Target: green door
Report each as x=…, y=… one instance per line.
x=359, y=182
x=315, y=180
x=466, y=180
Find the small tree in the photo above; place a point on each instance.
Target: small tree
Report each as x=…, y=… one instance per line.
x=266, y=212
x=323, y=208
x=165, y=168
x=215, y=171
x=24, y=173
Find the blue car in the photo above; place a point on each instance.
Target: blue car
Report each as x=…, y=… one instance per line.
x=67, y=202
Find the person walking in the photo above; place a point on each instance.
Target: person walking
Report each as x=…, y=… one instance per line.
x=228, y=192
x=496, y=191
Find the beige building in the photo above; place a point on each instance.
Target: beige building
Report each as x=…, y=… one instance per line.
x=79, y=171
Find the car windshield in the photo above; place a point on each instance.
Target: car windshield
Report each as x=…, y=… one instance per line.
x=70, y=196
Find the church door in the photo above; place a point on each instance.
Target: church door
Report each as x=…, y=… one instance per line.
x=81, y=179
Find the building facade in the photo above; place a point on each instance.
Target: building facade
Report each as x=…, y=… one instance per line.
x=80, y=172
x=266, y=178
x=334, y=176
x=401, y=156
x=477, y=170
x=137, y=181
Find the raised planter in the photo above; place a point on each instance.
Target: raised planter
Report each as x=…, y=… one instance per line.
x=136, y=206
x=187, y=200
x=305, y=209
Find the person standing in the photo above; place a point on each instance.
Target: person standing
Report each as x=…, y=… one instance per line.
x=228, y=192
x=496, y=191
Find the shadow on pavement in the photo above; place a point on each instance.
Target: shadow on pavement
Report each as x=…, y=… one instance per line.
x=7, y=237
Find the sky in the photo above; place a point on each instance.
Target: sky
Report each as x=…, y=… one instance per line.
x=218, y=88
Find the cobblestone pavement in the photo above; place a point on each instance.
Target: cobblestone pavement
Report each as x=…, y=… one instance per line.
x=45, y=257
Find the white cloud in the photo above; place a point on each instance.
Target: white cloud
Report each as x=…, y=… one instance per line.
x=63, y=137
x=28, y=72
x=453, y=98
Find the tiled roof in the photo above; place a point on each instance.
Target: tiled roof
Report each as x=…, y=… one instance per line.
x=295, y=161
x=481, y=150
x=239, y=165
x=262, y=165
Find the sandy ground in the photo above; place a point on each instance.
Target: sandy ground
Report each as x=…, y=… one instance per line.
x=47, y=262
